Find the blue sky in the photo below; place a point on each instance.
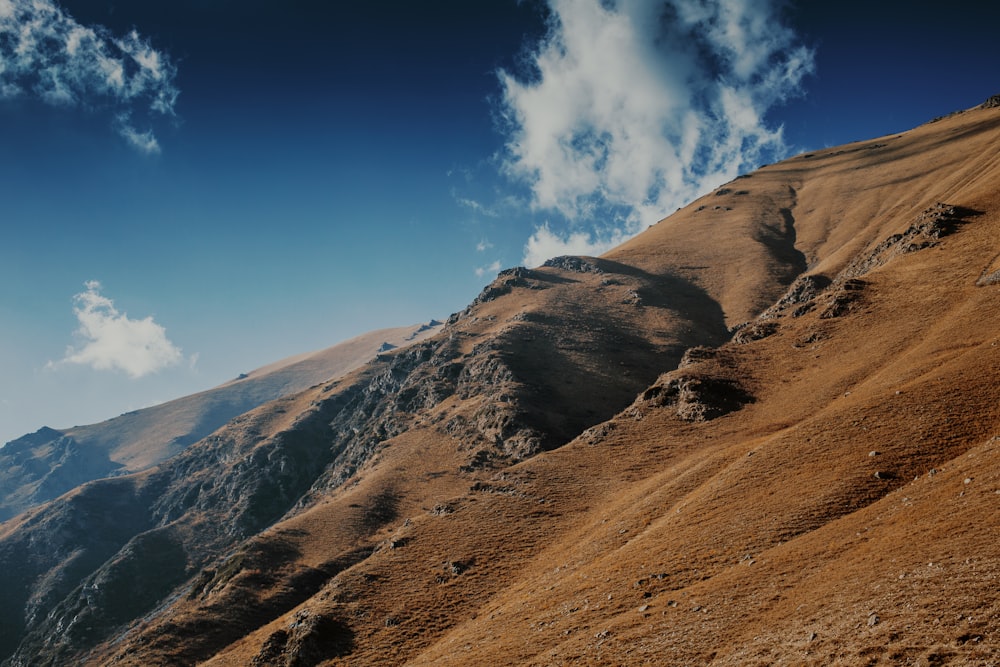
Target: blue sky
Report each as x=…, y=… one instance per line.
x=191, y=189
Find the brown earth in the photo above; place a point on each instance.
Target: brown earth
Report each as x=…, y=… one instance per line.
x=552, y=479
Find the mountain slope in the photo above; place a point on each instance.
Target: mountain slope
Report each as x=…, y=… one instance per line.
x=762, y=432
x=45, y=464
x=846, y=515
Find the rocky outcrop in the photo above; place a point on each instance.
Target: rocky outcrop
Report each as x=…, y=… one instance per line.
x=798, y=300
x=693, y=397
x=748, y=332
x=927, y=230
x=701, y=389
x=991, y=102
x=503, y=284
x=310, y=640
x=574, y=263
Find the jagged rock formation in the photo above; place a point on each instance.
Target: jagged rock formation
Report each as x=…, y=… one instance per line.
x=764, y=431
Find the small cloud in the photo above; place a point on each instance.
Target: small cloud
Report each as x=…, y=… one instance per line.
x=474, y=206
x=113, y=341
x=486, y=270
x=45, y=53
x=483, y=245
x=144, y=142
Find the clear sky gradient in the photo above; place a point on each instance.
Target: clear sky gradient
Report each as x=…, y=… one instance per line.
x=195, y=188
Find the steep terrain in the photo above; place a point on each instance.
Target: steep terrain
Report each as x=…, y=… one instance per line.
x=765, y=431
x=45, y=464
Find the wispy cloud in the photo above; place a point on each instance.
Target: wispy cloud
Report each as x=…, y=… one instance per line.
x=45, y=53
x=486, y=270
x=113, y=341
x=144, y=142
x=475, y=206
x=483, y=245
x=633, y=108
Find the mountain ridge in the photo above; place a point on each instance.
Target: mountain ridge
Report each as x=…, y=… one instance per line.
x=43, y=465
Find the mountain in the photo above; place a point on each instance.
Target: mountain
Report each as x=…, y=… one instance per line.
x=764, y=431
x=45, y=464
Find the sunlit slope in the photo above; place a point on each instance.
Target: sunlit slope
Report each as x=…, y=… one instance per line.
x=818, y=209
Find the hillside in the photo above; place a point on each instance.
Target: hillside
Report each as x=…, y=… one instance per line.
x=45, y=464
x=764, y=431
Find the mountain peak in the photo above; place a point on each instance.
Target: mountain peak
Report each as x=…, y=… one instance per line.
x=42, y=435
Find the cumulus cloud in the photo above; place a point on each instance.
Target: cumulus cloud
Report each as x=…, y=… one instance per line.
x=632, y=108
x=46, y=54
x=113, y=341
x=545, y=244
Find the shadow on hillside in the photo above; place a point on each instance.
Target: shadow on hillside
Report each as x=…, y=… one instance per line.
x=256, y=585
x=780, y=239
x=561, y=357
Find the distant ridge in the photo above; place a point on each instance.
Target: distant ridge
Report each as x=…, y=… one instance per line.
x=45, y=464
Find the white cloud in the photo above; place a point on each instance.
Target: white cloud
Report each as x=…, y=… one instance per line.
x=545, y=244
x=636, y=107
x=45, y=53
x=485, y=270
x=483, y=245
x=113, y=341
